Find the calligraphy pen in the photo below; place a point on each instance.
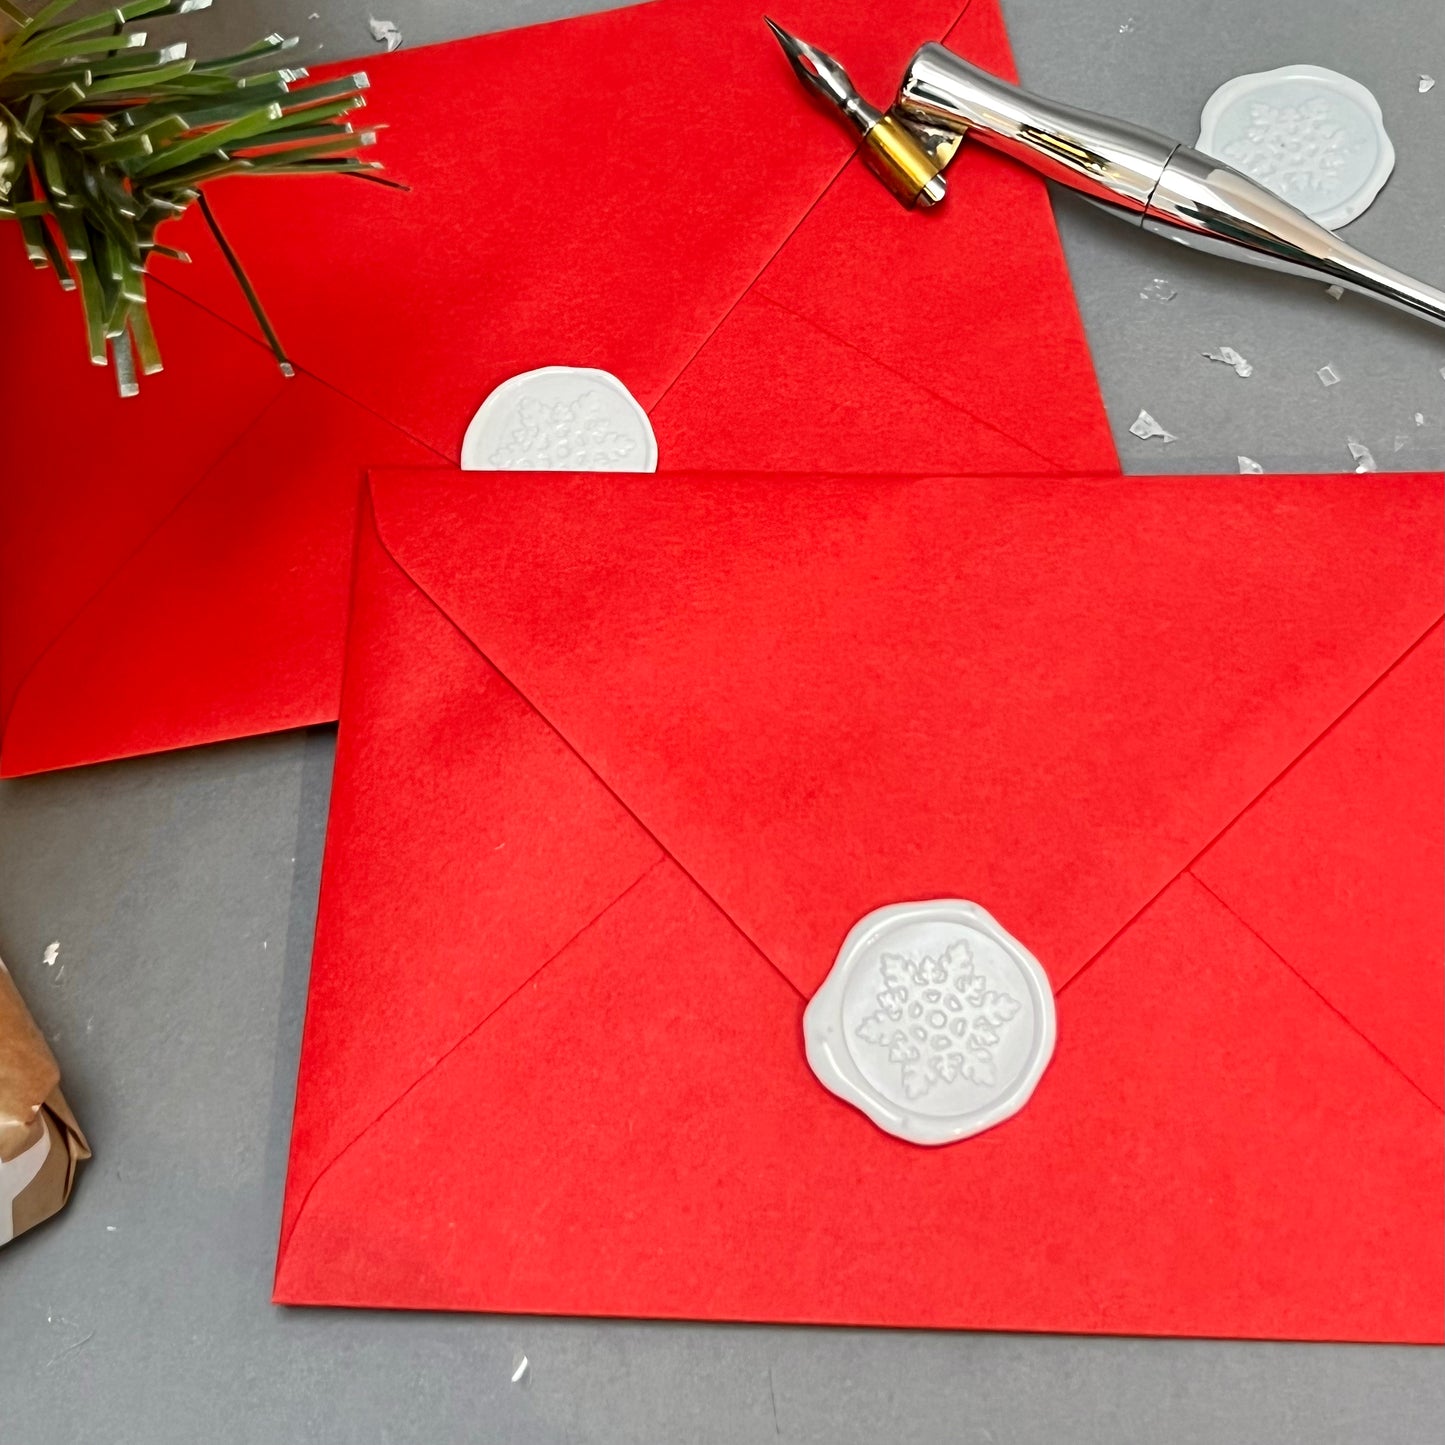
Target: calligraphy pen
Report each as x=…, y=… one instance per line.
x=1142, y=177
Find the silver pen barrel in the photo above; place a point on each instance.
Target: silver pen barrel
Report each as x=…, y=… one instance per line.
x=1146, y=179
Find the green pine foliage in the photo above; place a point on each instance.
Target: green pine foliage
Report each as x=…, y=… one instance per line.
x=102, y=141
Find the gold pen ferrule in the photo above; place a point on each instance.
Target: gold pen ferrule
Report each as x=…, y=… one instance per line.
x=900, y=161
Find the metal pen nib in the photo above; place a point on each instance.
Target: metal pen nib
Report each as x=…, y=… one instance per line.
x=892, y=149
x=818, y=70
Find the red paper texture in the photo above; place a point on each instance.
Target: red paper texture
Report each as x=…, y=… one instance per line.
x=646, y=190
x=1322, y=869
x=619, y=766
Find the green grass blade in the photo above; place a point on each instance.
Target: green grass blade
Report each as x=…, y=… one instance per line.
x=244, y=281
x=269, y=45
x=147, y=352
x=183, y=152
x=119, y=85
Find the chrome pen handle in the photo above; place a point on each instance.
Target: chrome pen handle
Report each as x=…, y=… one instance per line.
x=1145, y=178
x=1110, y=161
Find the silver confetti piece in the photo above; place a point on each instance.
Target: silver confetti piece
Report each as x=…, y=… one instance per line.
x=384, y=32
x=1364, y=457
x=1230, y=357
x=1145, y=428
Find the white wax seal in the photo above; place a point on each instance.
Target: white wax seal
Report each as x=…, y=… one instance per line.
x=934, y=1021
x=1311, y=135
x=560, y=419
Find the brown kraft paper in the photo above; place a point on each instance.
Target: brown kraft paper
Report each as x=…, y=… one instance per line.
x=41, y=1145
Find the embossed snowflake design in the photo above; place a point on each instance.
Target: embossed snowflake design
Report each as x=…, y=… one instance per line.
x=573, y=436
x=939, y=1019
x=1292, y=148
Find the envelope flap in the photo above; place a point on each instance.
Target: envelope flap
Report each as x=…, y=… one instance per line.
x=826, y=694
x=969, y=302
x=81, y=490
x=598, y=191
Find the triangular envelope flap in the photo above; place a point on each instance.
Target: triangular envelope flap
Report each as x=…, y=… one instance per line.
x=822, y=694
x=615, y=221
x=599, y=191
x=771, y=390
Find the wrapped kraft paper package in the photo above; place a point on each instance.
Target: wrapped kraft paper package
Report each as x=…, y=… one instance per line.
x=41, y=1145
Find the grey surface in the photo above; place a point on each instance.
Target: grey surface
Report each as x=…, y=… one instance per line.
x=182, y=889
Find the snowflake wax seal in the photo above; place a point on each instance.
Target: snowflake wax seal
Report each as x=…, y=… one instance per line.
x=560, y=419
x=1312, y=136
x=934, y=1021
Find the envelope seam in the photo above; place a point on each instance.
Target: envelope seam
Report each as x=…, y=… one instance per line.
x=441, y=1058
x=822, y=330
x=958, y=20
x=798, y=225
x=1344, y=1018
x=1236, y=817
x=570, y=746
x=306, y=371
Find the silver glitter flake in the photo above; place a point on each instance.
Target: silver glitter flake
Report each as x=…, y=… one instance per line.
x=1328, y=376
x=1145, y=428
x=1158, y=290
x=1230, y=357
x=521, y=1369
x=1248, y=467
x=1335, y=293
x=384, y=32
x=1364, y=457
x=1427, y=84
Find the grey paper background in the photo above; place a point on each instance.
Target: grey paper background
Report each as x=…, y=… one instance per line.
x=182, y=891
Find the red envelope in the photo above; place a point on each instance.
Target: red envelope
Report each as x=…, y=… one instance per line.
x=621, y=763
x=645, y=190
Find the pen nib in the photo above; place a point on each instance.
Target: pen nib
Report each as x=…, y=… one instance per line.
x=908, y=167
x=818, y=70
